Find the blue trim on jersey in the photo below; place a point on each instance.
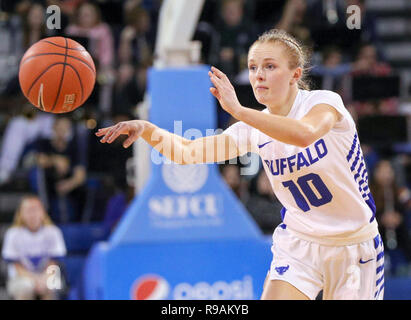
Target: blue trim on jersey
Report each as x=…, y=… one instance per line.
x=378, y=245
x=370, y=202
x=357, y=157
x=361, y=173
x=377, y=293
x=379, y=280
x=376, y=241
x=283, y=226
x=380, y=255
x=283, y=212
x=352, y=148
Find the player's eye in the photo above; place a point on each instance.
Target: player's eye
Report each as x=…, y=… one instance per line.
x=252, y=68
x=270, y=66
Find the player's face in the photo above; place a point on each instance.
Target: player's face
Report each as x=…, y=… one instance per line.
x=269, y=73
x=32, y=214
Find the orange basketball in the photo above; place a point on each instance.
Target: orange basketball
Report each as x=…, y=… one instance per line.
x=57, y=74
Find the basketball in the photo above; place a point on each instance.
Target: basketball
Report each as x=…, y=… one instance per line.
x=57, y=74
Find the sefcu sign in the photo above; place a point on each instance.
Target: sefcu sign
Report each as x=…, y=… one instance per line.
x=184, y=206
x=155, y=287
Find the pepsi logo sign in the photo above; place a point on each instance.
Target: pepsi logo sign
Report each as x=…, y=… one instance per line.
x=150, y=287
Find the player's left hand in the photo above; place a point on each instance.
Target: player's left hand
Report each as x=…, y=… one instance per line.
x=224, y=92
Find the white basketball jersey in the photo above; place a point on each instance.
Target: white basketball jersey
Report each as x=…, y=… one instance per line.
x=323, y=187
x=32, y=249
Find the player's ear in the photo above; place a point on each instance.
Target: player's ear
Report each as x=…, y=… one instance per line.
x=298, y=72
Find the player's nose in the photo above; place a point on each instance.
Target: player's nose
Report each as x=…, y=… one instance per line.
x=260, y=74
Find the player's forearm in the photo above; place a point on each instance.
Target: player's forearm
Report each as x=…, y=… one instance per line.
x=287, y=130
x=170, y=145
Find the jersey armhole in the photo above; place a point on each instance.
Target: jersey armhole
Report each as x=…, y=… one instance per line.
x=344, y=124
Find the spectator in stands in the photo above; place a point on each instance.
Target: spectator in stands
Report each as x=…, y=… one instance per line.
x=21, y=131
x=263, y=205
x=391, y=203
x=30, y=247
x=231, y=175
x=11, y=50
x=332, y=69
x=130, y=88
x=368, y=27
x=327, y=23
x=231, y=39
x=64, y=168
x=34, y=25
x=368, y=63
x=293, y=20
x=332, y=63
x=135, y=56
x=88, y=24
x=89, y=29
x=136, y=39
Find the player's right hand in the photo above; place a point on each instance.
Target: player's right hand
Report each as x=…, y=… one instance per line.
x=132, y=128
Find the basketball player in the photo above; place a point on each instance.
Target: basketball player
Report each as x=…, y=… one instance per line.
x=309, y=146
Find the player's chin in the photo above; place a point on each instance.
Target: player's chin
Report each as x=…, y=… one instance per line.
x=261, y=98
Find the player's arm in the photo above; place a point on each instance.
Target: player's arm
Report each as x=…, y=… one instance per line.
x=176, y=148
x=316, y=123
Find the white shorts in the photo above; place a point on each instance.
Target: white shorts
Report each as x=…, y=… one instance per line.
x=354, y=272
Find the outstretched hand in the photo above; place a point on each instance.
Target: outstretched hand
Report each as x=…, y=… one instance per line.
x=224, y=92
x=132, y=128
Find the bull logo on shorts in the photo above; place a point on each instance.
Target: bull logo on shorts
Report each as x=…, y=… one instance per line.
x=282, y=270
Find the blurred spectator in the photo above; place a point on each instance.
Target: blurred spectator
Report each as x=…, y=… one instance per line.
x=89, y=29
x=332, y=69
x=232, y=38
x=88, y=24
x=368, y=27
x=129, y=89
x=20, y=133
x=34, y=25
x=263, y=205
x=368, y=63
x=64, y=168
x=231, y=175
x=31, y=246
x=136, y=39
x=327, y=22
x=117, y=205
x=135, y=55
x=328, y=25
x=11, y=49
x=391, y=202
x=293, y=20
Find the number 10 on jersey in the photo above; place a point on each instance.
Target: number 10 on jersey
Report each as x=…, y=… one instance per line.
x=303, y=185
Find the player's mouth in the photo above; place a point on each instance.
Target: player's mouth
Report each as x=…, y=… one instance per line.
x=259, y=88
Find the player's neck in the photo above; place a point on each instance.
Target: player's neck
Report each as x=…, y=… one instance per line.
x=284, y=108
